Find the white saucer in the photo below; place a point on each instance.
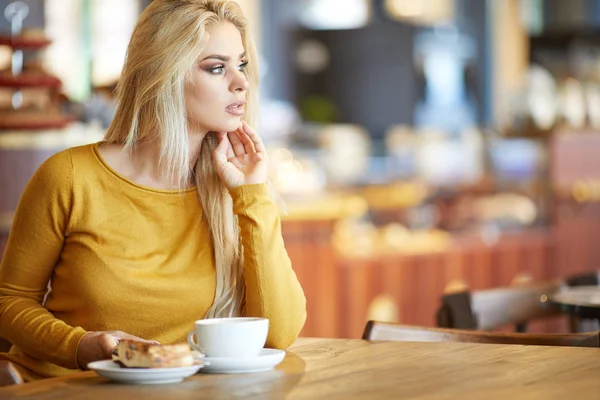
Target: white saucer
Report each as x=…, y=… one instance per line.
x=113, y=371
x=265, y=361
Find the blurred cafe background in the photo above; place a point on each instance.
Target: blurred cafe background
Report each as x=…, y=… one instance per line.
x=420, y=146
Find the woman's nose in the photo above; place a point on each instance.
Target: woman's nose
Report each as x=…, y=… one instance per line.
x=240, y=82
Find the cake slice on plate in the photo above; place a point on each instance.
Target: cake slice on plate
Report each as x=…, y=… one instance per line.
x=134, y=354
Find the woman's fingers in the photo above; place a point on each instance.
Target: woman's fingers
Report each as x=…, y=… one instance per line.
x=225, y=144
x=253, y=137
x=123, y=335
x=107, y=344
x=236, y=143
x=248, y=144
x=95, y=346
x=223, y=151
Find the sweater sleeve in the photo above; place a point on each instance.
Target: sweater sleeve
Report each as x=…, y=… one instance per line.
x=272, y=288
x=33, y=249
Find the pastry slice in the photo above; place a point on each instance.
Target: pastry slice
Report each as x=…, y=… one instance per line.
x=134, y=354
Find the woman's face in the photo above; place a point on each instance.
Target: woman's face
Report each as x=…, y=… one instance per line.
x=215, y=90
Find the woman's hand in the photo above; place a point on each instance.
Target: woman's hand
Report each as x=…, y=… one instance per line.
x=241, y=158
x=95, y=346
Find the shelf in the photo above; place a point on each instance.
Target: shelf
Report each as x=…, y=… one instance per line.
x=24, y=42
x=28, y=79
x=33, y=121
x=75, y=134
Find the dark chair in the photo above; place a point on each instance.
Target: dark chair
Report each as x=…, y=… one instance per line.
x=587, y=279
x=495, y=308
x=395, y=332
x=577, y=324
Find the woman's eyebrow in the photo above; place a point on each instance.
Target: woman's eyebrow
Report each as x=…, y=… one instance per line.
x=222, y=58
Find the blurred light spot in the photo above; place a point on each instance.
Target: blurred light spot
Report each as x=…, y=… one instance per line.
x=335, y=14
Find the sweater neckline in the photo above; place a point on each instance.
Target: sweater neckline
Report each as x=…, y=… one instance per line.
x=110, y=170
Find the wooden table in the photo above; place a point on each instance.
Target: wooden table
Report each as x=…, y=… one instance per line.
x=357, y=369
x=579, y=301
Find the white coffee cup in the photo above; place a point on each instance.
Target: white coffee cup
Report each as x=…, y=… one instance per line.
x=229, y=337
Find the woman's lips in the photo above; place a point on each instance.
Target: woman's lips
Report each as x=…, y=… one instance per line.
x=235, y=108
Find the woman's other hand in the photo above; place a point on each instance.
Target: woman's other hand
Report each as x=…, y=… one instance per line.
x=241, y=157
x=95, y=346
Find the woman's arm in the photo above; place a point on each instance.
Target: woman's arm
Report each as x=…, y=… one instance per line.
x=33, y=249
x=272, y=288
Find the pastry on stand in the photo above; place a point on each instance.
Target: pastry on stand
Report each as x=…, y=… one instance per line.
x=32, y=128
x=29, y=95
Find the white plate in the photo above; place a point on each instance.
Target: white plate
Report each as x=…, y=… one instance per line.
x=265, y=361
x=113, y=371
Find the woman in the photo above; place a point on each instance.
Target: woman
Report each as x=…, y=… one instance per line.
x=167, y=221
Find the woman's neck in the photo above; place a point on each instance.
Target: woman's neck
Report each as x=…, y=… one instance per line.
x=141, y=165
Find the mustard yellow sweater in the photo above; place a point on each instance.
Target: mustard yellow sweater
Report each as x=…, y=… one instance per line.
x=120, y=256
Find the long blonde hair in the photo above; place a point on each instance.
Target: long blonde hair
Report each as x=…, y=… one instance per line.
x=166, y=41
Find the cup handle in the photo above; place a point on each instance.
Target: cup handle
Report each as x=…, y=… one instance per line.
x=191, y=341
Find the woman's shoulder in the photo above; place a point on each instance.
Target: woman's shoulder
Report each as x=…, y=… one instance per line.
x=66, y=156
x=64, y=163
x=78, y=157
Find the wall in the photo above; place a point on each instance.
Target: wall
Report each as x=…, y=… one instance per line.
x=371, y=77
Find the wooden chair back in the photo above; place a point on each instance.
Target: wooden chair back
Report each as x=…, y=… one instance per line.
x=395, y=332
x=494, y=308
x=9, y=374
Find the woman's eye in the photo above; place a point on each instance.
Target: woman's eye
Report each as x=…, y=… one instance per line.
x=219, y=69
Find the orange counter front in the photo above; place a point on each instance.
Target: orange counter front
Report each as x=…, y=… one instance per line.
x=341, y=289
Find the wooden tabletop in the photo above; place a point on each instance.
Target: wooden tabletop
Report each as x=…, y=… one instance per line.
x=583, y=301
x=357, y=369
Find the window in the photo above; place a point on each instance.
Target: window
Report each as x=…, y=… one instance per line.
x=90, y=39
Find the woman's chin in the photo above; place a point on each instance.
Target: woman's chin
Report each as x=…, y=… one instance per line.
x=224, y=125
x=230, y=126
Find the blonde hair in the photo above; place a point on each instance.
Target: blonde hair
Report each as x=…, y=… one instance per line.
x=166, y=41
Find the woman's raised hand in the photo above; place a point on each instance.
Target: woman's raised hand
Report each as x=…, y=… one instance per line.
x=241, y=158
